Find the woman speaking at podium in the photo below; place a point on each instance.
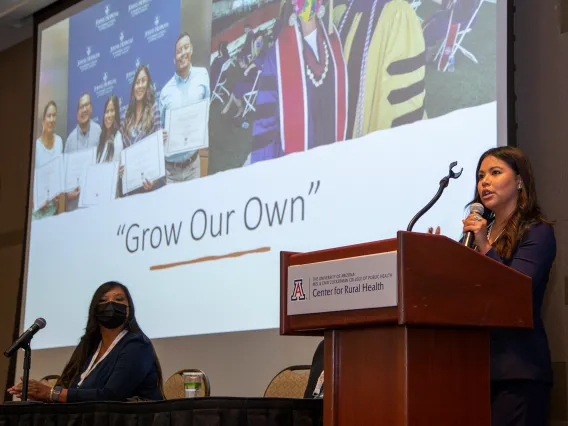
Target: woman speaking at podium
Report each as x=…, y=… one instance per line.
x=518, y=236
x=114, y=360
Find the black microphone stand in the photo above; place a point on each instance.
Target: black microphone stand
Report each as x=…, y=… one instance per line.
x=27, y=365
x=443, y=185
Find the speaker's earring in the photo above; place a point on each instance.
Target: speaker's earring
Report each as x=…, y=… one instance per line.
x=520, y=186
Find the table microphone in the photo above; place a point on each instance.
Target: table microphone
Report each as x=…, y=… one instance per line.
x=25, y=338
x=469, y=237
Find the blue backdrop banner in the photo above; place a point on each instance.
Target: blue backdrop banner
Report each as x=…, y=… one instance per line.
x=107, y=42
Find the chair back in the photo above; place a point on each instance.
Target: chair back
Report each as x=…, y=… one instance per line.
x=222, y=79
x=250, y=97
x=174, y=386
x=289, y=383
x=219, y=90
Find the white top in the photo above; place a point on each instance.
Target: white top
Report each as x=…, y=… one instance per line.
x=118, y=144
x=179, y=93
x=312, y=40
x=92, y=364
x=44, y=155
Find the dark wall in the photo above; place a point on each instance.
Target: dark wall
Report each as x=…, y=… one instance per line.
x=16, y=87
x=541, y=82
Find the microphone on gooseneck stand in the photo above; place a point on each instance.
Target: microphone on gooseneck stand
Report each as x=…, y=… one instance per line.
x=443, y=185
x=23, y=342
x=25, y=338
x=469, y=237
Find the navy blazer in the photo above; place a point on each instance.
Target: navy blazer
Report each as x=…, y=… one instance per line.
x=522, y=353
x=128, y=371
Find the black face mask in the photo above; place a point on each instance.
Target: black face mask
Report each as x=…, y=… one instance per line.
x=111, y=314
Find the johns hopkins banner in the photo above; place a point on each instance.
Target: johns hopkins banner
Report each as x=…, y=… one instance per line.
x=107, y=43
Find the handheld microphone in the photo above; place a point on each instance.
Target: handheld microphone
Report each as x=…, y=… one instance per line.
x=469, y=237
x=25, y=338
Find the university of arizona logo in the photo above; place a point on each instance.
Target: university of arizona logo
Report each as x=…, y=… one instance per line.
x=298, y=291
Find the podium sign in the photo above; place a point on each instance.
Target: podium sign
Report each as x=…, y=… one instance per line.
x=406, y=324
x=344, y=284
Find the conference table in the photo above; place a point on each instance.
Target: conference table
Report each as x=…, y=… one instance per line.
x=212, y=411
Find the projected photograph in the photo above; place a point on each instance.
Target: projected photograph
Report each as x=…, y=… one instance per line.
x=461, y=53
x=293, y=75
x=180, y=146
x=136, y=92
x=241, y=35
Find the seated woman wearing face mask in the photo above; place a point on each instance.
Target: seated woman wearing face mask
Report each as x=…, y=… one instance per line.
x=114, y=360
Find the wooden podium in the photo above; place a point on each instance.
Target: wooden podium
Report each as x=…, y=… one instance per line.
x=424, y=360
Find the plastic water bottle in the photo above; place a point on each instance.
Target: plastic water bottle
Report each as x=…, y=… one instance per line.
x=192, y=384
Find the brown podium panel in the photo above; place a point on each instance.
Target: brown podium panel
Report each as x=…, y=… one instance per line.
x=424, y=361
x=441, y=282
x=400, y=375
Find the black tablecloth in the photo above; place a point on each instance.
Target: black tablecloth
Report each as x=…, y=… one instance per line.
x=186, y=412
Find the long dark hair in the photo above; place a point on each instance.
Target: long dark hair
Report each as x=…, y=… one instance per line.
x=90, y=340
x=527, y=211
x=147, y=118
x=108, y=135
x=223, y=50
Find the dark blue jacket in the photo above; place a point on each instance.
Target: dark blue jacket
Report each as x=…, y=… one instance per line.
x=129, y=370
x=524, y=354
